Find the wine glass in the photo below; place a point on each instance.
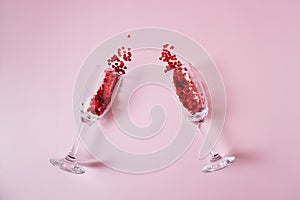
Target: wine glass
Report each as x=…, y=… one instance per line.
x=194, y=96
x=97, y=99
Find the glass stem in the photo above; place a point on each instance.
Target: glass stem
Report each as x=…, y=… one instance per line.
x=203, y=129
x=73, y=153
x=213, y=153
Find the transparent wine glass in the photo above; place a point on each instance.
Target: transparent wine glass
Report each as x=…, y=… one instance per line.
x=194, y=96
x=96, y=100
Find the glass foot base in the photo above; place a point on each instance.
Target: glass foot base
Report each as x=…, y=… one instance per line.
x=217, y=164
x=67, y=165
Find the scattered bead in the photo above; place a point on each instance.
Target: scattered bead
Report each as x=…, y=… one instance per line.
x=102, y=98
x=186, y=89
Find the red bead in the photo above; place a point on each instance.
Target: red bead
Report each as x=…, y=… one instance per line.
x=102, y=99
x=186, y=89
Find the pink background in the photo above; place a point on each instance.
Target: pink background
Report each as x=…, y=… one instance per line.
x=255, y=44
